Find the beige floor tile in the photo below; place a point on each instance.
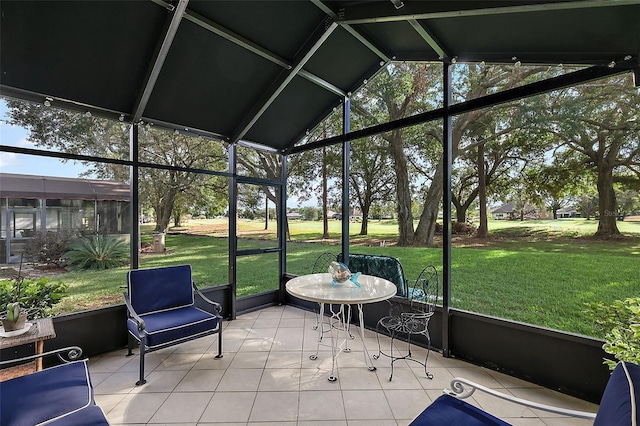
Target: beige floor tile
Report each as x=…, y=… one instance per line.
x=249, y=360
x=316, y=379
x=407, y=404
x=291, y=323
x=403, y=378
x=321, y=406
x=179, y=361
x=266, y=322
x=197, y=346
x=275, y=407
x=358, y=378
x=441, y=378
x=267, y=378
x=262, y=333
x=182, y=407
x=229, y=407
x=138, y=408
x=256, y=345
x=240, y=379
x=111, y=362
x=284, y=379
x=160, y=381
x=108, y=402
x=209, y=361
x=240, y=323
x=366, y=405
x=200, y=381
x=116, y=383
x=284, y=360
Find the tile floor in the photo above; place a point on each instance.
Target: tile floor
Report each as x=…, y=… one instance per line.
x=266, y=378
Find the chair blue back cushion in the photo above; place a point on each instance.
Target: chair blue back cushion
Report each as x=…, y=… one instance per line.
x=158, y=289
x=34, y=398
x=616, y=403
x=450, y=411
x=386, y=267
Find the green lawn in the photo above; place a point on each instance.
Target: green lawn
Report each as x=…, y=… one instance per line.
x=539, y=272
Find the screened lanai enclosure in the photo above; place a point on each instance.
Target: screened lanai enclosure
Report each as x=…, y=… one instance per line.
x=418, y=112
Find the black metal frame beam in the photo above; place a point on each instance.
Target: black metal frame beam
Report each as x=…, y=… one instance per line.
x=517, y=93
x=159, y=57
x=447, y=150
x=255, y=48
x=429, y=38
x=418, y=10
x=283, y=81
x=346, y=170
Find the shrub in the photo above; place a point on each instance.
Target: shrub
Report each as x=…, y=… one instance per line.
x=48, y=247
x=35, y=296
x=620, y=322
x=97, y=252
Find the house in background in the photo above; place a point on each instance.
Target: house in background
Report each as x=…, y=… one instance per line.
x=31, y=204
x=510, y=211
x=567, y=212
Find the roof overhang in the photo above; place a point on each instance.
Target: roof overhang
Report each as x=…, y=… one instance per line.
x=268, y=71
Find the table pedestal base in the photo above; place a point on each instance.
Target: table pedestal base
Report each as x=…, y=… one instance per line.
x=338, y=324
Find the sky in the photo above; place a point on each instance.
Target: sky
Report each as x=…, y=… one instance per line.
x=43, y=166
x=28, y=164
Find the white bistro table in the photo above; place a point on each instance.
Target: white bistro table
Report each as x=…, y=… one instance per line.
x=318, y=288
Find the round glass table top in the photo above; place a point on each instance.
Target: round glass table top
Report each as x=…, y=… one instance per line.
x=318, y=288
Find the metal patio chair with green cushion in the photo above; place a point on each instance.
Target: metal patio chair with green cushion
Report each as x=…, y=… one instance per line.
x=162, y=311
x=386, y=267
x=412, y=318
x=619, y=406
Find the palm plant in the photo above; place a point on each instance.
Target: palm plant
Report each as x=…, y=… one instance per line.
x=97, y=252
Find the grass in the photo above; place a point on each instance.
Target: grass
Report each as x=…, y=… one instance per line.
x=539, y=272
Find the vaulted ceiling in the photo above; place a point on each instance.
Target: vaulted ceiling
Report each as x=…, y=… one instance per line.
x=266, y=71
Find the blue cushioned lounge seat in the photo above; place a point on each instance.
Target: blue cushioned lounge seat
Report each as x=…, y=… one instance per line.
x=618, y=406
x=61, y=395
x=162, y=310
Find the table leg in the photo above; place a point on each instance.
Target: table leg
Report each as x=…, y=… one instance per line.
x=320, y=328
x=39, y=350
x=367, y=358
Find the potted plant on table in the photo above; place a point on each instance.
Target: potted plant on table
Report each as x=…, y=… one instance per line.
x=14, y=318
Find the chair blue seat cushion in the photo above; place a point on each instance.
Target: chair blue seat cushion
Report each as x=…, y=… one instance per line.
x=174, y=324
x=449, y=411
x=620, y=398
x=53, y=392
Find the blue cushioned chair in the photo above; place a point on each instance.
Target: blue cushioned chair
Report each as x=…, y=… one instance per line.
x=162, y=310
x=618, y=407
x=61, y=395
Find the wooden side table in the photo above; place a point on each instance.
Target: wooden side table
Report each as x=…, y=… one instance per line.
x=41, y=330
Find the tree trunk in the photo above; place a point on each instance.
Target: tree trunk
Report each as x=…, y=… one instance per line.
x=163, y=210
x=325, y=219
x=607, y=225
x=364, y=226
x=483, y=228
x=266, y=212
x=427, y=225
x=403, y=208
x=461, y=210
